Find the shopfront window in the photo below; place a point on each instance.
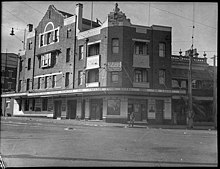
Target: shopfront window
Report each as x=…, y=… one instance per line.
x=113, y=107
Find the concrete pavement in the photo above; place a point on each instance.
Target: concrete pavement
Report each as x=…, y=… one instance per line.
x=104, y=124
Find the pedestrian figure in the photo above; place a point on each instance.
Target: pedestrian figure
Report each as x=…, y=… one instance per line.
x=132, y=119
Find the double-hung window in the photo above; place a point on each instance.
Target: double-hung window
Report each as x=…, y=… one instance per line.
x=68, y=54
x=41, y=40
x=80, y=77
x=29, y=63
x=54, y=80
x=67, y=79
x=81, y=52
x=140, y=75
x=115, y=45
x=114, y=77
x=49, y=37
x=161, y=76
x=162, y=49
x=46, y=60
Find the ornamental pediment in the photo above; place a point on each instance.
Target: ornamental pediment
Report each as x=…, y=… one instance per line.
x=118, y=17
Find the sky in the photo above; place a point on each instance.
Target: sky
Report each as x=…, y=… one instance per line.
x=181, y=16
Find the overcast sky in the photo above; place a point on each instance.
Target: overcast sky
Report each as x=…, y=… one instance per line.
x=178, y=15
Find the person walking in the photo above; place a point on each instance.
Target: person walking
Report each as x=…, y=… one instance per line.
x=132, y=119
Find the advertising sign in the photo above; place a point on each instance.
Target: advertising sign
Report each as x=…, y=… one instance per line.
x=114, y=66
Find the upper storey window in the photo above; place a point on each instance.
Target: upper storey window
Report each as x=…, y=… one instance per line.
x=141, y=48
x=115, y=45
x=94, y=49
x=46, y=60
x=162, y=49
x=49, y=36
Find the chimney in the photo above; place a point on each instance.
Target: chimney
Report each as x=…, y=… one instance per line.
x=30, y=27
x=79, y=12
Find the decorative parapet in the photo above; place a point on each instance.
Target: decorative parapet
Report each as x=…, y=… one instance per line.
x=186, y=59
x=118, y=18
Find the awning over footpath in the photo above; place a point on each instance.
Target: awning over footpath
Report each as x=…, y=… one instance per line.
x=91, y=91
x=196, y=74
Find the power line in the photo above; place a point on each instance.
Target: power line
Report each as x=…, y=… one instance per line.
x=184, y=17
x=33, y=8
x=15, y=16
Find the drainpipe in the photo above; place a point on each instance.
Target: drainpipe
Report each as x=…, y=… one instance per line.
x=74, y=59
x=35, y=40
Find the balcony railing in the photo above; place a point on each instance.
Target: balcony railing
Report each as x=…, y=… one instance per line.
x=186, y=59
x=92, y=84
x=141, y=61
x=93, y=62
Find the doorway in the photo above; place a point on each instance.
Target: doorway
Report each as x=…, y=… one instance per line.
x=71, y=109
x=57, y=108
x=139, y=107
x=96, y=106
x=159, y=111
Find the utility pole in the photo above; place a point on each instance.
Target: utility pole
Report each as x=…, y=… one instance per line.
x=190, y=108
x=91, y=14
x=214, y=92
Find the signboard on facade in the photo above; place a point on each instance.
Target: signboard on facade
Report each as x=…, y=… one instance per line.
x=92, y=62
x=114, y=66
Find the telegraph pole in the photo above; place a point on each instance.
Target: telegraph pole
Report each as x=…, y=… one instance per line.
x=190, y=111
x=214, y=92
x=190, y=108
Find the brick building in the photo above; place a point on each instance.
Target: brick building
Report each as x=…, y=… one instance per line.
x=202, y=87
x=77, y=69
x=9, y=62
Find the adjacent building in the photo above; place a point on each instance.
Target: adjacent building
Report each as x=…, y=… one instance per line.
x=77, y=68
x=9, y=63
x=202, y=87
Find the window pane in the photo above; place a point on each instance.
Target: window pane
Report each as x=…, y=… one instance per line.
x=115, y=45
x=67, y=54
x=67, y=79
x=115, y=49
x=80, y=52
x=161, y=49
x=113, y=107
x=80, y=77
x=54, y=81
x=161, y=76
x=175, y=83
x=115, y=77
x=44, y=104
x=56, y=36
x=46, y=82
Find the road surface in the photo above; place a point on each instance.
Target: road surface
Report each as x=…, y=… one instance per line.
x=30, y=143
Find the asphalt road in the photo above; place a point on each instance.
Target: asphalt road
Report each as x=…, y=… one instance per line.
x=36, y=144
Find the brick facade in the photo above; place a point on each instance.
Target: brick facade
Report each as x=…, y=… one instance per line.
x=101, y=73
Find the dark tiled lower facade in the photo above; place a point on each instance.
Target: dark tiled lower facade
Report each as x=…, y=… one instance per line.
x=109, y=107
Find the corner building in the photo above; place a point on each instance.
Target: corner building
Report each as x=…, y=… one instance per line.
x=74, y=68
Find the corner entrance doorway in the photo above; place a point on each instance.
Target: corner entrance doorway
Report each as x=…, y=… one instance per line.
x=139, y=107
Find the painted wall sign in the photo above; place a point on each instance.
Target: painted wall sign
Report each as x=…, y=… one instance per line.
x=114, y=66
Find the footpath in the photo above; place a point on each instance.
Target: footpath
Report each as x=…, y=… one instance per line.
x=101, y=123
